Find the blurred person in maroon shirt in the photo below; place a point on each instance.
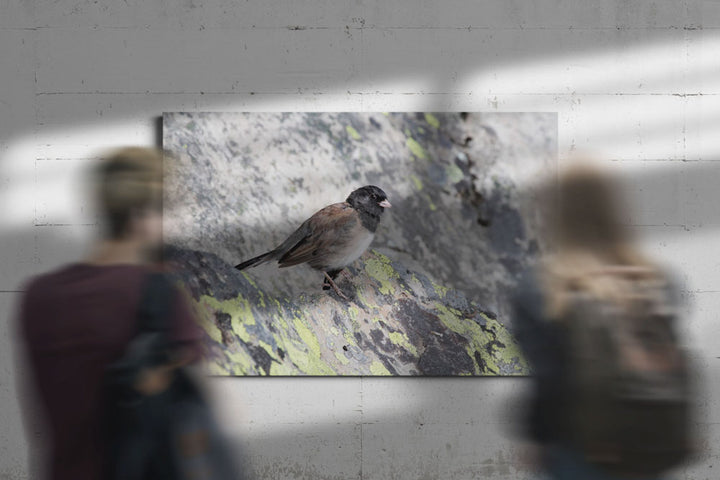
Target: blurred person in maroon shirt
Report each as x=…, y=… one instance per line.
x=75, y=321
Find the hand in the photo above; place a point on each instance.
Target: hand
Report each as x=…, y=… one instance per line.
x=155, y=380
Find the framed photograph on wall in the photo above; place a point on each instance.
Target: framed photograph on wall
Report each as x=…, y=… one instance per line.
x=367, y=243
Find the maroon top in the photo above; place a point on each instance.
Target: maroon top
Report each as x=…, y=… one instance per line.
x=74, y=323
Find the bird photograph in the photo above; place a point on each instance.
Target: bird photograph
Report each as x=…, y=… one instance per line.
x=332, y=238
x=280, y=227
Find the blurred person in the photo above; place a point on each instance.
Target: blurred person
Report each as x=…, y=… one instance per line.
x=76, y=321
x=610, y=394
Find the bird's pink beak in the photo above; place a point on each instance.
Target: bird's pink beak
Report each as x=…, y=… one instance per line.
x=385, y=204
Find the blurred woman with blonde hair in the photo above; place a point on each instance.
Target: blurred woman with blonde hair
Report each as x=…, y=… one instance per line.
x=596, y=321
x=587, y=239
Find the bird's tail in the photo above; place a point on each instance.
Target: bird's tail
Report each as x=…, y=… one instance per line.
x=265, y=257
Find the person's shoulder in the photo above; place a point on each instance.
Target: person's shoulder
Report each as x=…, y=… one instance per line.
x=36, y=291
x=40, y=282
x=32, y=284
x=86, y=274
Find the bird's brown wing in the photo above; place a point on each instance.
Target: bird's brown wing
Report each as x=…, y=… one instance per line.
x=323, y=229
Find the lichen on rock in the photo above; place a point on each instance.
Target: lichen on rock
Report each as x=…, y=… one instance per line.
x=397, y=322
x=430, y=299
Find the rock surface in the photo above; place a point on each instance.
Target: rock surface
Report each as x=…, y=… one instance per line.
x=461, y=214
x=397, y=322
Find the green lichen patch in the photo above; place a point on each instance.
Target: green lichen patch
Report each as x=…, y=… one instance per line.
x=416, y=149
x=492, y=348
x=431, y=204
x=454, y=174
x=440, y=289
x=239, y=310
x=400, y=339
x=378, y=369
x=432, y=120
x=352, y=132
x=379, y=268
x=342, y=358
x=354, y=312
x=416, y=182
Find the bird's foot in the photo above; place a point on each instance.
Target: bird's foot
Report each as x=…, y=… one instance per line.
x=331, y=282
x=345, y=274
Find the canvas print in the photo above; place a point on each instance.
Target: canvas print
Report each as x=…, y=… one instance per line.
x=355, y=243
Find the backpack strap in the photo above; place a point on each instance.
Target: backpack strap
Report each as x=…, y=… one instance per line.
x=155, y=303
x=153, y=318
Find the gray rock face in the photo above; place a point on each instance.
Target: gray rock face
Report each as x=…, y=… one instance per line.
x=397, y=322
x=460, y=218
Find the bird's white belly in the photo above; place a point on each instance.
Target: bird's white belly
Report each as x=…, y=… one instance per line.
x=353, y=252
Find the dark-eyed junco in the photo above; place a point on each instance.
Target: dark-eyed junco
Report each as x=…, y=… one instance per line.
x=333, y=237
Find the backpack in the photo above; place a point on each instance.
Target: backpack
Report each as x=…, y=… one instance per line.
x=629, y=390
x=169, y=436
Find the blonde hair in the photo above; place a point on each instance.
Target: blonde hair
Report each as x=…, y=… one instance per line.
x=129, y=180
x=593, y=249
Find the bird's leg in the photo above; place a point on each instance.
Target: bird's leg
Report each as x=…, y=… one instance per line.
x=333, y=275
x=331, y=282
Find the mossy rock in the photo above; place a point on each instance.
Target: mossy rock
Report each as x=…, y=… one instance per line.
x=396, y=322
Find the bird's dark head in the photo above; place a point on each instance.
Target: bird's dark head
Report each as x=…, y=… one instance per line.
x=369, y=199
x=370, y=202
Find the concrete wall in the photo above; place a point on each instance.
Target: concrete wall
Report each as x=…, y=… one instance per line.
x=637, y=81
